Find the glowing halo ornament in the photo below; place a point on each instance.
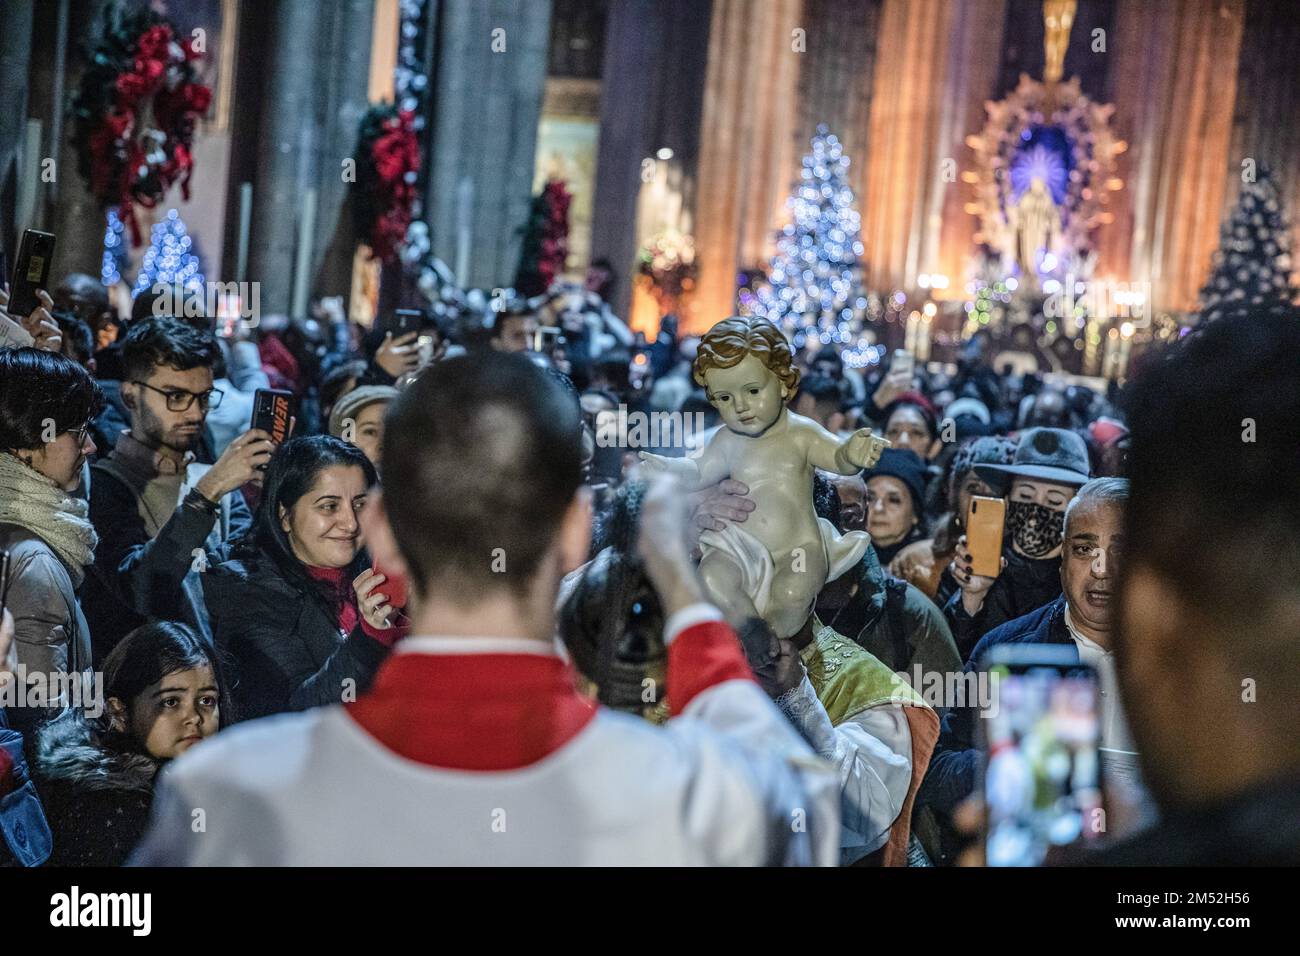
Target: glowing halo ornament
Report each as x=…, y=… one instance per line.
x=1068, y=145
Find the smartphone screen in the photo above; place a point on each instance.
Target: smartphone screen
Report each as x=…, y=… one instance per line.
x=31, y=272
x=1041, y=760
x=272, y=410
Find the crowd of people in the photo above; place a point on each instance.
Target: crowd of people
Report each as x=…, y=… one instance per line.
x=462, y=626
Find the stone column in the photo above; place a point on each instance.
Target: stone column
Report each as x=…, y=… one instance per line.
x=749, y=157
x=307, y=74
x=64, y=206
x=484, y=105
x=15, y=58
x=652, y=89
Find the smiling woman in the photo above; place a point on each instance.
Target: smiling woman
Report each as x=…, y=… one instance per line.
x=296, y=613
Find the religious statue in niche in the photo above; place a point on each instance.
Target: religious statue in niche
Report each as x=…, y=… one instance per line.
x=776, y=564
x=1044, y=169
x=1036, y=223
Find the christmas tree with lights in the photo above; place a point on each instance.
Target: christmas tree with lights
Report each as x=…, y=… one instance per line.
x=170, y=259
x=1252, y=267
x=115, y=255
x=813, y=286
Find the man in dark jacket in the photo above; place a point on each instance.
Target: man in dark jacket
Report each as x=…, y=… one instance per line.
x=1082, y=618
x=1210, y=599
x=162, y=517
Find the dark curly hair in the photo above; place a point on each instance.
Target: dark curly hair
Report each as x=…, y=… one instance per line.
x=727, y=343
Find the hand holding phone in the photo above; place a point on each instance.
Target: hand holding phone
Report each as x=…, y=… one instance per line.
x=393, y=586
x=399, y=355
x=897, y=380
x=374, y=590
x=31, y=272
x=1041, y=762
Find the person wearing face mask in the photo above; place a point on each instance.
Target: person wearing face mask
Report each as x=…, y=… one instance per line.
x=47, y=402
x=1049, y=466
x=96, y=774
x=295, y=612
x=927, y=563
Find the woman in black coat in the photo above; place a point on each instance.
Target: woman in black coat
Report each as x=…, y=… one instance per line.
x=96, y=775
x=295, y=614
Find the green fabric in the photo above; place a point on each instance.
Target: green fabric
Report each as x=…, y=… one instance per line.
x=849, y=680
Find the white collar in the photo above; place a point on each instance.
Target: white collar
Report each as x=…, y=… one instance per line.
x=443, y=644
x=1080, y=637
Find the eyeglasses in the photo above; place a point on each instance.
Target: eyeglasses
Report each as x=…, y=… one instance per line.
x=80, y=433
x=179, y=400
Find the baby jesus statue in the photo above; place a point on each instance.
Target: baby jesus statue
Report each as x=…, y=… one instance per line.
x=776, y=565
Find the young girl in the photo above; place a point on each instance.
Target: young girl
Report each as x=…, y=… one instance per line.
x=96, y=775
x=775, y=566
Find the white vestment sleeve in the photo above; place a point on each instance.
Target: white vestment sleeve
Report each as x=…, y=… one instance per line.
x=872, y=752
x=760, y=796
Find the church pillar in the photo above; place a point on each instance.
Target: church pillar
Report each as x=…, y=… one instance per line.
x=484, y=105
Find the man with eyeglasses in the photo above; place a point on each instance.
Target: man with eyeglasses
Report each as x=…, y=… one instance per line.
x=162, y=516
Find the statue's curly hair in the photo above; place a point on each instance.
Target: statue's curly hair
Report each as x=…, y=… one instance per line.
x=728, y=342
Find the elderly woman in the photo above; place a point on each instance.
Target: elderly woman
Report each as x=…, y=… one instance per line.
x=926, y=563
x=895, y=495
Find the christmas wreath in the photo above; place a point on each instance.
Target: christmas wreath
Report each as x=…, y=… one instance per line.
x=388, y=166
x=135, y=111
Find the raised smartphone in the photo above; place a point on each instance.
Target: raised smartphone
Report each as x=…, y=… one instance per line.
x=984, y=522
x=1040, y=766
